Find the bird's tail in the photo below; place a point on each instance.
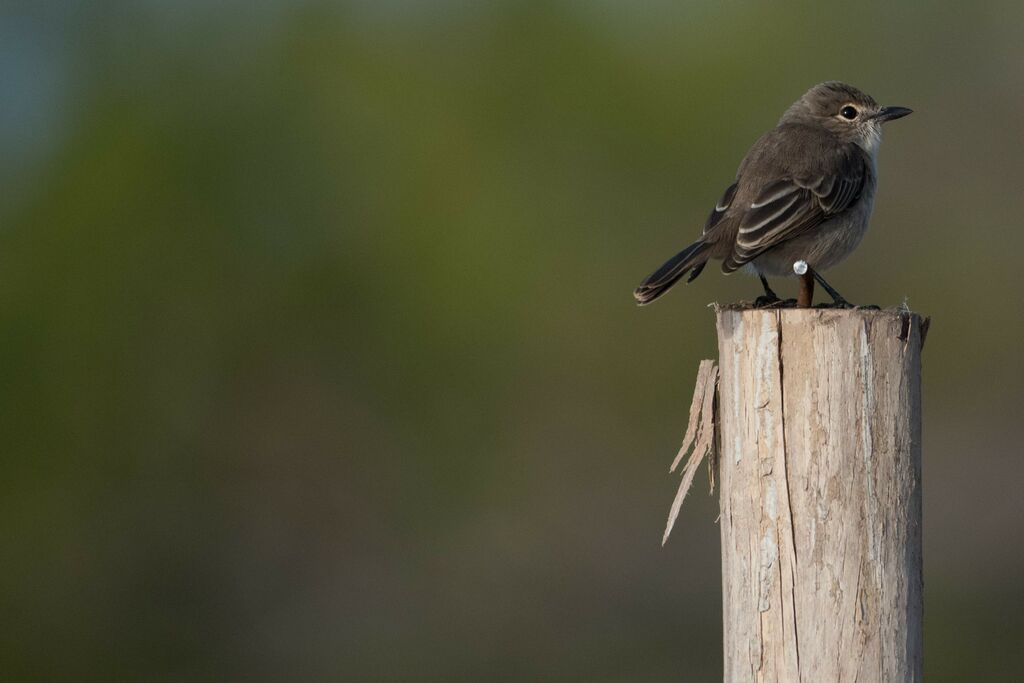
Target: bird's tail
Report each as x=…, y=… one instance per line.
x=690, y=260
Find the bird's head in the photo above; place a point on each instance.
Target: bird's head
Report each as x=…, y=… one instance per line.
x=851, y=115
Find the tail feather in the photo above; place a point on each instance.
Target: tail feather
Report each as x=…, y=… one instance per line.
x=657, y=283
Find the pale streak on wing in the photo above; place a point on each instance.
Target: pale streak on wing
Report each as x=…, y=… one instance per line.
x=721, y=207
x=774, y=192
x=788, y=207
x=778, y=207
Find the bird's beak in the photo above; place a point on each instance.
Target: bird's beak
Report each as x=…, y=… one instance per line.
x=889, y=113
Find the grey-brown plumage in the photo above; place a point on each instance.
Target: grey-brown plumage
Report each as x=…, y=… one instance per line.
x=804, y=192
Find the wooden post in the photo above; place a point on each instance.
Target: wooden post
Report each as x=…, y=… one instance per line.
x=820, y=468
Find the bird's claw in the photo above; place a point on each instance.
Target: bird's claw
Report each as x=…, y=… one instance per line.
x=841, y=305
x=774, y=302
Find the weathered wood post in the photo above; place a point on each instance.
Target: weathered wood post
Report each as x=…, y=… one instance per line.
x=819, y=459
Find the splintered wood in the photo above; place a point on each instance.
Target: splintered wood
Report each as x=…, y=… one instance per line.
x=700, y=433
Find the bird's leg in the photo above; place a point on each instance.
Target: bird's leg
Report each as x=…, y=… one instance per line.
x=837, y=299
x=770, y=299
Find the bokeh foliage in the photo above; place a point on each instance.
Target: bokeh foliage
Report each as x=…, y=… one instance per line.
x=319, y=355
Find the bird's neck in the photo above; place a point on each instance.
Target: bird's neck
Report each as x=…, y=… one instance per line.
x=870, y=142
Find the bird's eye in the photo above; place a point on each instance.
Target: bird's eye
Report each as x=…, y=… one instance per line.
x=848, y=112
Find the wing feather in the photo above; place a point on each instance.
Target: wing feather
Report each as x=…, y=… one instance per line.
x=790, y=206
x=721, y=207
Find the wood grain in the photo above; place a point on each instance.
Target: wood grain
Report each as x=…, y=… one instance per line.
x=820, y=494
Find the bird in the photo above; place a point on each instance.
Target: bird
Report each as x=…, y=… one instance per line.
x=803, y=195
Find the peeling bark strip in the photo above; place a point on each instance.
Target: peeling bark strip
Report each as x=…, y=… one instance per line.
x=820, y=468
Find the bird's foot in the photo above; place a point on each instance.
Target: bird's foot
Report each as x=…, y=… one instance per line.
x=843, y=304
x=766, y=301
x=839, y=304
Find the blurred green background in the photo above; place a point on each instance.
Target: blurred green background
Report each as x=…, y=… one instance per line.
x=318, y=354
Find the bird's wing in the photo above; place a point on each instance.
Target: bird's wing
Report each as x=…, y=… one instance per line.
x=714, y=218
x=790, y=206
x=721, y=207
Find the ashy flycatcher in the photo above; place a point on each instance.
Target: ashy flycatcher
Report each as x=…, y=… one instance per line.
x=803, y=195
